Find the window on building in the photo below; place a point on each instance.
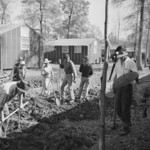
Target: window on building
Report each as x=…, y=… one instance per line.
x=25, y=40
x=95, y=47
x=77, y=49
x=65, y=49
x=25, y=43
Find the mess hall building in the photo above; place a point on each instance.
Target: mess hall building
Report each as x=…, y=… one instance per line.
x=76, y=48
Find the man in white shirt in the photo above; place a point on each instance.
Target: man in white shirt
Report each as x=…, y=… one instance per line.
x=48, y=75
x=123, y=95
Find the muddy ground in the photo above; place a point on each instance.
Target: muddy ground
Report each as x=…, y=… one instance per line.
x=45, y=126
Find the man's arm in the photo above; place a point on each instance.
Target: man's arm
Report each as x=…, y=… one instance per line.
x=52, y=73
x=73, y=69
x=91, y=70
x=133, y=66
x=21, y=75
x=80, y=68
x=60, y=64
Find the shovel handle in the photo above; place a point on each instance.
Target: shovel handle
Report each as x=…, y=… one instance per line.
x=114, y=115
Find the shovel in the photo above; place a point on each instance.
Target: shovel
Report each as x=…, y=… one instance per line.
x=57, y=101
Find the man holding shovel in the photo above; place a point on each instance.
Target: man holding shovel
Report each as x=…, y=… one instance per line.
x=48, y=75
x=70, y=77
x=125, y=73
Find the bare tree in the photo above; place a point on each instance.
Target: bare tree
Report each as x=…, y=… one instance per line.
x=136, y=33
x=74, y=17
x=3, y=9
x=35, y=13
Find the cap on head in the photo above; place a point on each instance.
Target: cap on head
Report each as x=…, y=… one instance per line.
x=119, y=52
x=22, y=63
x=85, y=58
x=119, y=48
x=46, y=61
x=66, y=56
x=20, y=58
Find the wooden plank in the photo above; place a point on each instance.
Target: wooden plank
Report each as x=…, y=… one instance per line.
x=14, y=112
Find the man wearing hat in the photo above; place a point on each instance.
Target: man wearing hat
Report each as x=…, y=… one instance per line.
x=47, y=73
x=70, y=76
x=123, y=95
x=86, y=71
x=19, y=71
x=15, y=68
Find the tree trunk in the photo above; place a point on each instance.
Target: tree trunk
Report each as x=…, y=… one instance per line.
x=69, y=20
x=68, y=33
x=146, y=53
x=139, y=56
x=103, y=86
x=40, y=38
x=147, y=42
x=118, y=26
x=135, y=41
x=3, y=17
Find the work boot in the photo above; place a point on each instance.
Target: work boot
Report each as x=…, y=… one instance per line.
x=72, y=101
x=85, y=99
x=125, y=131
x=77, y=99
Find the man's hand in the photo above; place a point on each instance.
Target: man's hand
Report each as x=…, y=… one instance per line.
x=59, y=61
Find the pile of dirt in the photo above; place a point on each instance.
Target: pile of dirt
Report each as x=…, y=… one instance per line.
x=35, y=82
x=48, y=126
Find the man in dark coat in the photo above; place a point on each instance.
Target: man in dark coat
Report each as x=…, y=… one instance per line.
x=86, y=71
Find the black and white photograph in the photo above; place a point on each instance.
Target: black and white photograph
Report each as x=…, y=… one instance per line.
x=74, y=74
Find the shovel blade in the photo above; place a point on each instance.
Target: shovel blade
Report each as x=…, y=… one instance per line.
x=58, y=102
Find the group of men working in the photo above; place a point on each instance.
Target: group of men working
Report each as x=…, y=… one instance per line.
x=123, y=95
x=70, y=77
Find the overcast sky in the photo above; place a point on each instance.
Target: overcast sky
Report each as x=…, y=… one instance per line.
x=97, y=15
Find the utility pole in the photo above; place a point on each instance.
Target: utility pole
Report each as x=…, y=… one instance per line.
x=103, y=85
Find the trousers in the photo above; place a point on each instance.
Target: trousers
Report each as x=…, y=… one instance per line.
x=123, y=99
x=46, y=85
x=84, y=83
x=68, y=80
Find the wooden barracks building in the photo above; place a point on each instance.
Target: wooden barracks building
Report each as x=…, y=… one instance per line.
x=18, y=40
x=76, y=48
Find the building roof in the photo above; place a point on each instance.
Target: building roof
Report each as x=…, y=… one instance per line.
x=70, y=42
x=9, y=27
